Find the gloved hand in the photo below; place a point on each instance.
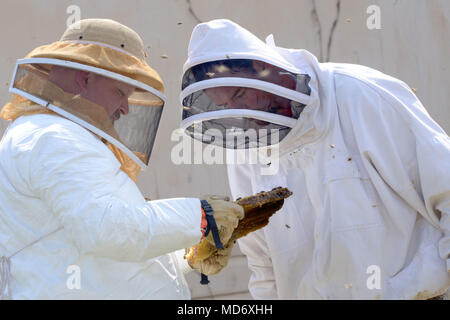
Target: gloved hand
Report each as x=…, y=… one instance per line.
x=227, y=215
x=205, y=255
x=216, y=262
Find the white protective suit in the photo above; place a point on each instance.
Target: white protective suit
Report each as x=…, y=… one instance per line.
x=54, y=174
x=370, y=174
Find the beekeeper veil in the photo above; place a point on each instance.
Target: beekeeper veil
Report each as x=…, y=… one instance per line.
x=237, y=91
x=126, y=109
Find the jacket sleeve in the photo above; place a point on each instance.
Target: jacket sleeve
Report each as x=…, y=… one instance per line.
x=100, y=208
x=262, y=285
x=262, y=280
x=410, y=152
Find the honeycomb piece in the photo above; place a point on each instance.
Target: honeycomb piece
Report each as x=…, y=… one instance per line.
x=258, y=209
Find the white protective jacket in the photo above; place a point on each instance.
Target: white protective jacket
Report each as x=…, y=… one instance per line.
x=370, y=174
x=55, y=174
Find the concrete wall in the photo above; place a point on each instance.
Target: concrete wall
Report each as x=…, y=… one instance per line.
x=412, y=45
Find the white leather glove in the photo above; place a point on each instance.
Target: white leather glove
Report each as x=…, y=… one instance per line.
x=205, y=256
x=216, y=262
x=226, y=215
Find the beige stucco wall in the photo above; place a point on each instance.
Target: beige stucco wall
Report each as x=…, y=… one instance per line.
x=412, y=45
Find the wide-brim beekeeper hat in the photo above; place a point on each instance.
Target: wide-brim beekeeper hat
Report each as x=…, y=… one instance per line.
x=106, y=48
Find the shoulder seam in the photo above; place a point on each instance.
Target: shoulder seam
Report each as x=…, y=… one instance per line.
x=368, y=84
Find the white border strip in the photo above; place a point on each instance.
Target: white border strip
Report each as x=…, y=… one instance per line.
x=248, y=83
x=13, y=79
x=81, y=122
x=239, y=113
x=29, y=97
x=97, y=131
x=272, y=58
x=106, y=73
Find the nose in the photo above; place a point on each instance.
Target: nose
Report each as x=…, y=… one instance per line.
x=124, y=107
x=236, y=105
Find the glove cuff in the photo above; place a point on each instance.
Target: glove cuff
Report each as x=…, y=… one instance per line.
x=211, y=226
x=204, y=224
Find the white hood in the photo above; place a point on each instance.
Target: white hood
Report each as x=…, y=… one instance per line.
x=223, y=39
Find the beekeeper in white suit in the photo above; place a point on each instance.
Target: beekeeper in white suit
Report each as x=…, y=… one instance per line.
x=369, y=169
x=74, y=225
